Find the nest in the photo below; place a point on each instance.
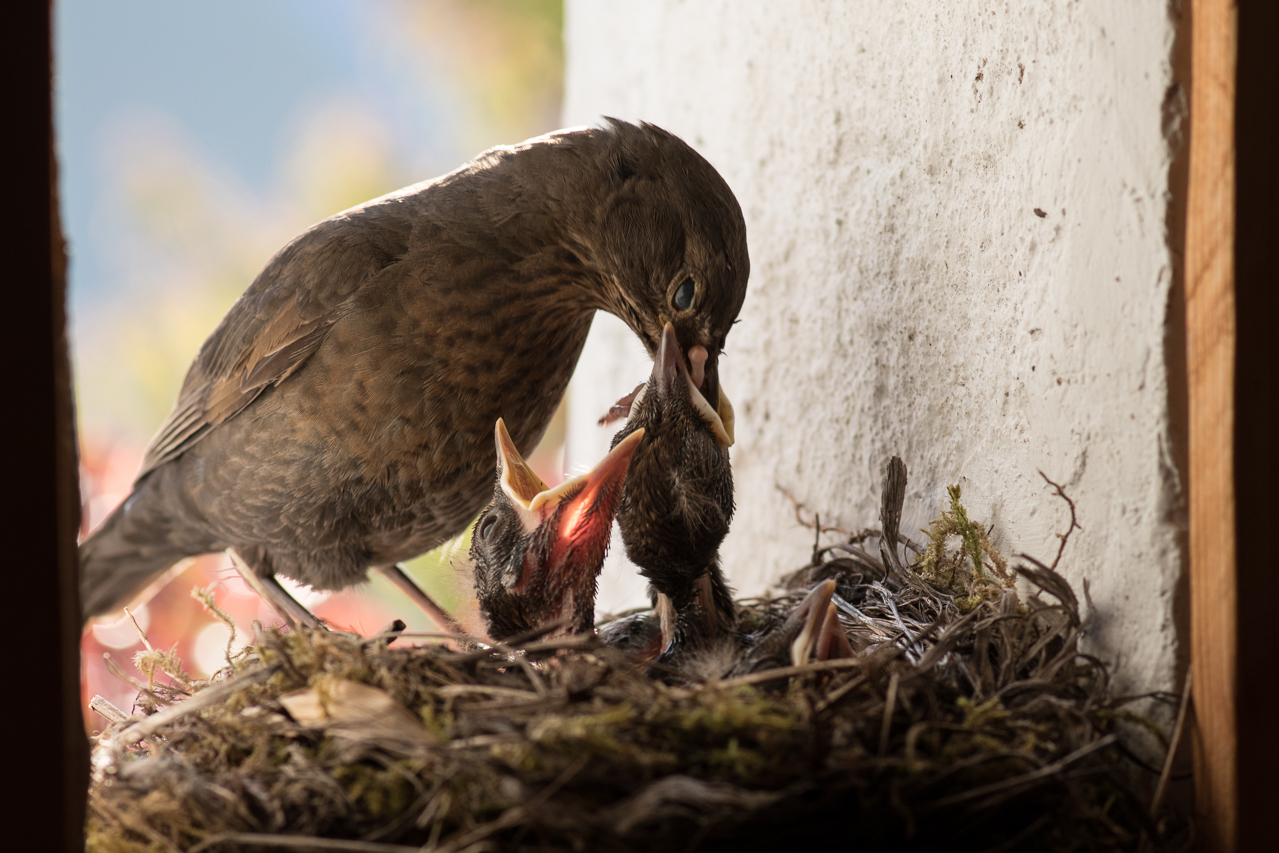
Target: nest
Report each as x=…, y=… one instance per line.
x=969, y=720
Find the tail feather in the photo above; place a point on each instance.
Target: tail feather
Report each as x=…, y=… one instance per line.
x=129, y=550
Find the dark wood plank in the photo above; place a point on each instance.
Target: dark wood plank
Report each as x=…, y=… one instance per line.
x=47, y=748
x=1256, y=433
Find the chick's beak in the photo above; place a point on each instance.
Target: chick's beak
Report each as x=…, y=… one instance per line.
x=820, y=636
x=704, y=369
x=672, y=374
x=586, y=504
x=519, y=482
x=588, y=513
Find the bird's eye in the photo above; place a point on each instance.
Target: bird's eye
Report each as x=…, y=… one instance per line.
x=684, y=294
x=486, y=527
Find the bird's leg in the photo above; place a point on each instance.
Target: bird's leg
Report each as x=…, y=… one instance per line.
x=270, y=591
x=715, y=601
x=700, y=618
x=706, y=605
x=395, y=574
x=666, y=619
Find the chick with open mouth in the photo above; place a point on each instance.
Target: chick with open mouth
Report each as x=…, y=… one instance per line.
x=536, y=552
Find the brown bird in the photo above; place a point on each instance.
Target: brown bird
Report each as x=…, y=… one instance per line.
x=338, y=417
x=674, y=515
x=679, y=497
x=536, y=552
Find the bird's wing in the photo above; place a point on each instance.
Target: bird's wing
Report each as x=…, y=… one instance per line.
x=275, y=326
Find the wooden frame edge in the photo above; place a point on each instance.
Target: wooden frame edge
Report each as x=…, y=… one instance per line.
x=1211, y=337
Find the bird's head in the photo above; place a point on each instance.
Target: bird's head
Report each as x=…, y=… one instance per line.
x=679, y=493
x=672, y=248
x=537, y=551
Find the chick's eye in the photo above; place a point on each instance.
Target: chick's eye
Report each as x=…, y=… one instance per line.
x=486, y=527
x=684, y=294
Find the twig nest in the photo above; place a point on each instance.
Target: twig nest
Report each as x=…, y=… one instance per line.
x=968, y=720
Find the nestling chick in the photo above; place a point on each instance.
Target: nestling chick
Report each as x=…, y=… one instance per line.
x=679, y=498
x=536, y=552
x=811, y=631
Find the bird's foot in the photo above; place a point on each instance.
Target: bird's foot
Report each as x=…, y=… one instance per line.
x=270, y=591
x=442, y=618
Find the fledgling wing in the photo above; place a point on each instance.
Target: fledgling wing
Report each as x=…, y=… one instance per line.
x=282, y=319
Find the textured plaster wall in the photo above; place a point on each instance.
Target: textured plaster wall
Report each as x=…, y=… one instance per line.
x=956, y=216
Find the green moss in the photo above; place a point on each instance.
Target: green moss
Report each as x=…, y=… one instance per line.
x=975, y=571
x=972, y=544
x=977, y=715
x=520, y=757
x=98, y=840
x=381, y=792
x=744, y=763
x=719, y=714
x=602, y=735
x=437, y=721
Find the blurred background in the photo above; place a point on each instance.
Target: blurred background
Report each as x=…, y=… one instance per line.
x=194, y=140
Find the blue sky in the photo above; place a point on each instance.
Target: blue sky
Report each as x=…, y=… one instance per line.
x=232, y=75
x=196, y=138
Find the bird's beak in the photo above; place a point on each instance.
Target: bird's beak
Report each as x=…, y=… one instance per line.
x=707, y=381
x=672, y=374
x=821, y=637
x=520, y=483
x=704, y=372
x=589, y=501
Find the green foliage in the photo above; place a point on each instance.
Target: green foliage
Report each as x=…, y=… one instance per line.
x=967, y=530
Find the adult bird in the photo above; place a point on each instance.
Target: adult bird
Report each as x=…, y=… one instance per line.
x=678, y=501
x=536, y=552
x=338, y=417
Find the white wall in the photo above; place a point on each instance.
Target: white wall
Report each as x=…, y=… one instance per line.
x=905, y=296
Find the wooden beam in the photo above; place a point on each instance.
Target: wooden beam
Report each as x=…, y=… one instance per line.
x=1210, y=354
